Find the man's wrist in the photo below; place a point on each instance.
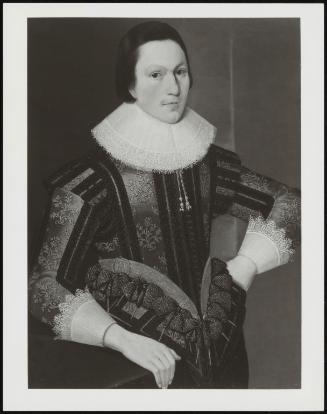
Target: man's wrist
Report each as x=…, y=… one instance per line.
x=114, y=337
x=242, y=271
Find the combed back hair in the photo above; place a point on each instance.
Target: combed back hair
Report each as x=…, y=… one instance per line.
x=128, y=53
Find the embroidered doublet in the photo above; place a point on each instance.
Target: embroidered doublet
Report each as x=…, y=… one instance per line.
x=123, y=201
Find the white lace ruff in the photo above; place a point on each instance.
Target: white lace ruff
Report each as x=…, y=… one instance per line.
x=145, y=143
x=269, y=229
x=63, y=321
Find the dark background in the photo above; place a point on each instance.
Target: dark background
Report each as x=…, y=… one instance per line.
x=246, y=82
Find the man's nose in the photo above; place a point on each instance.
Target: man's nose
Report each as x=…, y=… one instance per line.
x=173, y=87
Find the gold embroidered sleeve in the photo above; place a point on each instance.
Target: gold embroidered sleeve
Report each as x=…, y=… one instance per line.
x=45, y=293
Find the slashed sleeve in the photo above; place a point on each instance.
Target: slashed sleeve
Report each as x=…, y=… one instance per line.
x=73, y=314
x=271, y=209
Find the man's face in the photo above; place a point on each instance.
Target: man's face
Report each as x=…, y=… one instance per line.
x=161, y=80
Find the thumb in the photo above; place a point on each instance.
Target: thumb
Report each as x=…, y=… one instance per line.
x=176, y=356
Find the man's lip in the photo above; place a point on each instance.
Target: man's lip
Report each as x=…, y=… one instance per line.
x=170, y=103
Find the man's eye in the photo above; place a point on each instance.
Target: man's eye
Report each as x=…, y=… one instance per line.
x=182, y=71
x=155, y=75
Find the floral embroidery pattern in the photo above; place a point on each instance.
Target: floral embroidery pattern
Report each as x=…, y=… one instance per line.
x=50, y=253
x=47, y=294
x=162, y=264
x=287, y=209
x=109, y=246
x=33, y=277
x=261, y=183
x=162, y=260
x=63, y=210
x=257, y=182
x=149, y=234
x=242, y=212
x=139, y=186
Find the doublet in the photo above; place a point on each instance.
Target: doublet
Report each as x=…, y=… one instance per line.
x=107, y=209
x=102, y=208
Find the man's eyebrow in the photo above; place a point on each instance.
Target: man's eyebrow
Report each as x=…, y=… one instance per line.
x=182, y=64
x=158, y=65
x=155, y=66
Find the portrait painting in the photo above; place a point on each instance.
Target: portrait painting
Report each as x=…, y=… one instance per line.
x=164, y=211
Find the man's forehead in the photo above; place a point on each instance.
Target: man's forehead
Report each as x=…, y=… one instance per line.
x=160, y=52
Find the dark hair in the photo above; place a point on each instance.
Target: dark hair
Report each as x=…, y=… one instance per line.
x=127, y=52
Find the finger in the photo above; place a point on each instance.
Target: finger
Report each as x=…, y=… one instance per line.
x=176, y=356
x=163, y=371
x=168, y=362
x=171, y=364
x=155, y=371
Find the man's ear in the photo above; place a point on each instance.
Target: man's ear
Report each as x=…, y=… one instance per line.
x=131, y=90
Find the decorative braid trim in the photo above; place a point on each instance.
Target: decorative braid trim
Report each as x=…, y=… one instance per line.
x=276, y=235
x=67, y=310
x=136, y=270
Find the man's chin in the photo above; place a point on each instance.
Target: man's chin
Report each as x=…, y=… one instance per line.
x=168, y=117
x=172, y=117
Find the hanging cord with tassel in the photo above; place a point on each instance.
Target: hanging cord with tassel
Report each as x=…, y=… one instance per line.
x=181, y=187
x=183, y=205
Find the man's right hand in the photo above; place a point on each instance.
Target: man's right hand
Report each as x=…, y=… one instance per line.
x=146, y=352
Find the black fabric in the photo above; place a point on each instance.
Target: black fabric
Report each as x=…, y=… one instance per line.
x=236, y=374
x=225, y=168
x=79, y=255
x=182, y=231
x=122, y=212
x=68, y=172
x=227, y=187
x=75, y=259
x=197, y=246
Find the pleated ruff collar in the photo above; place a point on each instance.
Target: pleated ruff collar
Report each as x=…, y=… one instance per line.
x=143, y=142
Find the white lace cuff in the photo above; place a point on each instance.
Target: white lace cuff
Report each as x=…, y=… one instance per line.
x=265, y=244
x=82, y=319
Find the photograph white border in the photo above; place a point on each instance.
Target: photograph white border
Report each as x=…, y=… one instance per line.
x=17, y=396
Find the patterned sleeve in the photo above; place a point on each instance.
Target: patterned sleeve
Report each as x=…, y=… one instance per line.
x=272, y=236
x=271, y=209
x=50, y=301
